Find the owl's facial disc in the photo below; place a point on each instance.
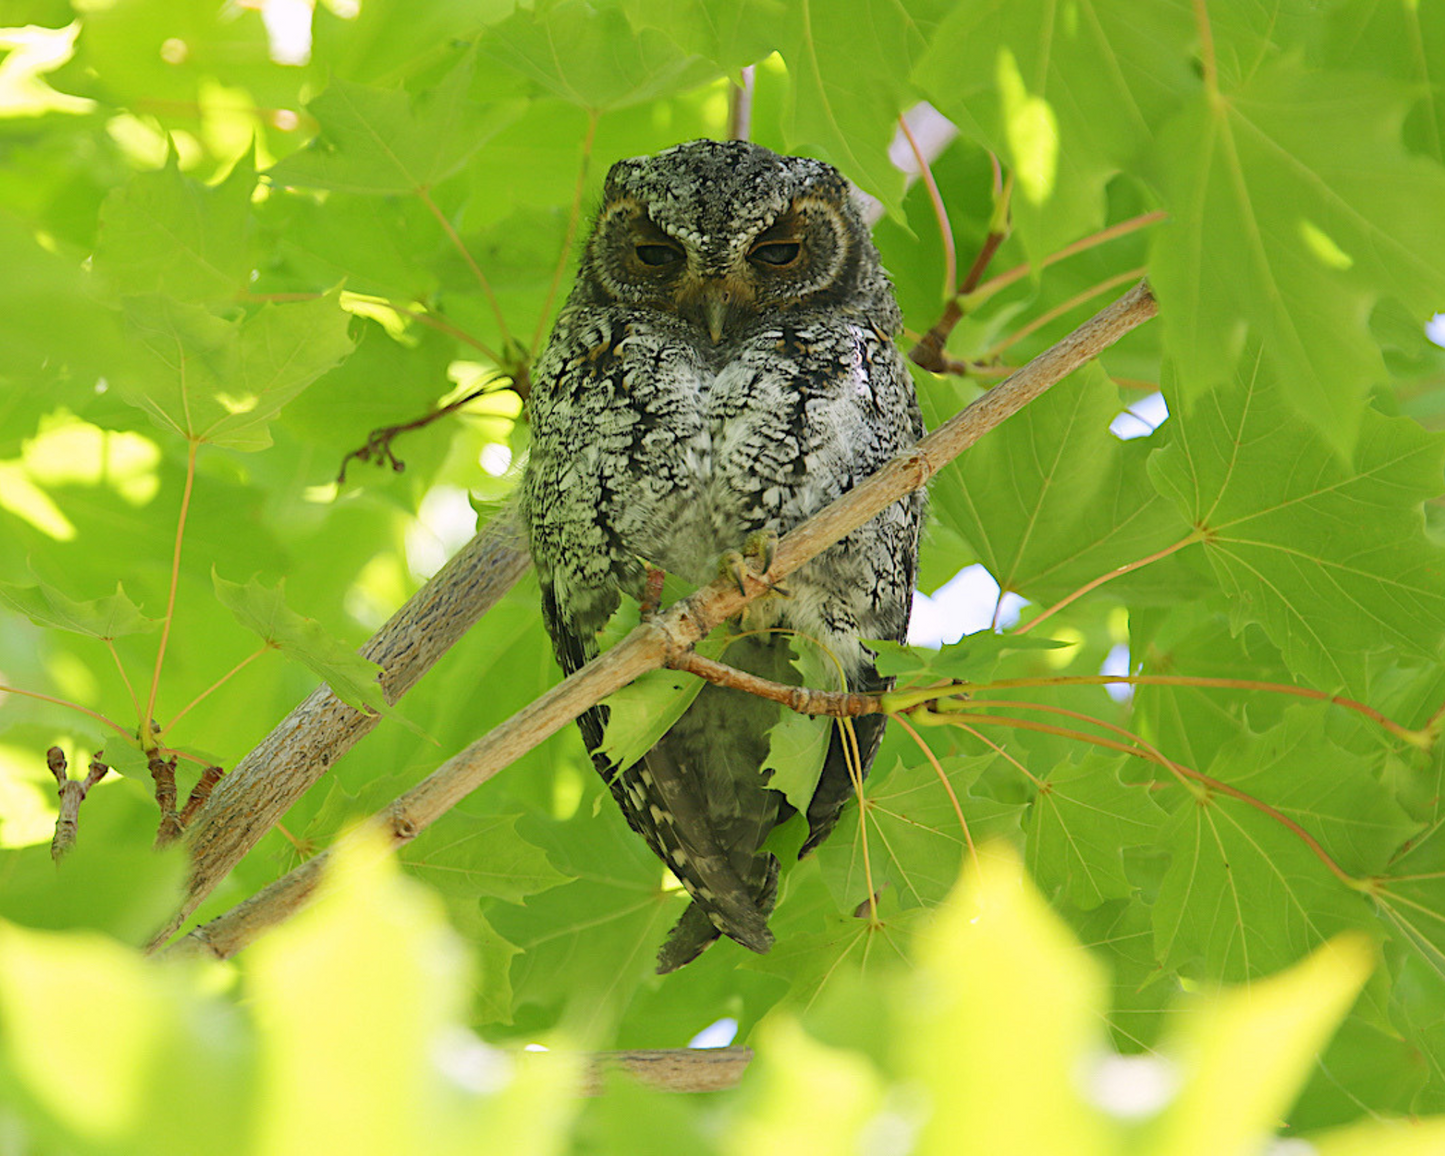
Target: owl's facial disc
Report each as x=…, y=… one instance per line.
x=674, y=257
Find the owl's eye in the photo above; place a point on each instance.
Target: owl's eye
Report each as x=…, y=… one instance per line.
x=658, y=256
x=778, y=254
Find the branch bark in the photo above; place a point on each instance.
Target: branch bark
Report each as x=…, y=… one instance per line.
x=665, y=638
x=249, y=801
x=672, y=1069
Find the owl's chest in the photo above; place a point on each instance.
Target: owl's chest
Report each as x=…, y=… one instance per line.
x=676, y=454
x=675, y=501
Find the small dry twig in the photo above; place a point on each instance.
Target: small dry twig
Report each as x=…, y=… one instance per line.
x=163, y=771
x=378, y=441
x=72, y=793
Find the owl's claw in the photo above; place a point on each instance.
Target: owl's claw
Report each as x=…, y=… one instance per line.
x=755, y=559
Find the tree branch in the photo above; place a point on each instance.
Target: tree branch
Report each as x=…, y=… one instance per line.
x=672, y=1069
x=834, y=703
x=662, y=640
x=250, y=800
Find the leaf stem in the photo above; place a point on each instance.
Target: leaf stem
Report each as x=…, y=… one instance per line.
x=947, y=786
x=1019, y=272
x=1189, y=539
x=144, y=722
x=65, y=702
x=431, y=205
x=240, y=666
x=1145, y=751
x=940, y=212
x=1416, y=738
x=124, y=677
x=1057, y=311
x=573, y=217
x=1207, y=59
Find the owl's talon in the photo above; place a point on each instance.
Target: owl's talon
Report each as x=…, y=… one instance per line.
x=761, y=546
x=755, y=559
x=735, y=566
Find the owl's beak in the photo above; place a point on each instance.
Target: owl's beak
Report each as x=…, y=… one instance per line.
x=715, y=302
x=715, y=312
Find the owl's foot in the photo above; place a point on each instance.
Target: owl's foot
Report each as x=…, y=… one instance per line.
x=755, y=559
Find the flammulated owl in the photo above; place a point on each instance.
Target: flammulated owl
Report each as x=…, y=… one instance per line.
x=722, y=370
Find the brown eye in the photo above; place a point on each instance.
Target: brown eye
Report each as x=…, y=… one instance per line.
x=779, y=254
x=658, y=256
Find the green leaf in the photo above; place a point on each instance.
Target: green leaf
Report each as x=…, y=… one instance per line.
x=973, y=658
x=1416, y=1138
x=264, y=611
x=643, y=711
x=1330, y=558
x=730, y=33
x=814, y=1098
x=222, y=382
x=1064, y=95
x=588, y=944
x=321, y=1081
x=797, y=748
x=1051, y=500
x=104, y=618
x=1252, y=1048
x=1245, y=892
x=163, y=1060
x=471, y=855
x=379, y=141
x=1082, y=820
x=818, y=946
x=994, y=947
x=1294, y=235
x=848, y=82
x=916, y=841
x=591, y=56
x=798, y=743
x=111, y=880
x=166, y=233
x=45, y=300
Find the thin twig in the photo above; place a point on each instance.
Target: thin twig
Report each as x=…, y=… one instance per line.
x=144, y=722
x=1108, y=285
x=252, y=799
x=72, y=793
x=740, y=105
x=1019, y=272
x=836, y=704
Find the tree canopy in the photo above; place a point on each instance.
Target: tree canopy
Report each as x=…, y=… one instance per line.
x=1201, y=731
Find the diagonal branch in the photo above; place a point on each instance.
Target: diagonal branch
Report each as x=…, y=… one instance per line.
x=250, y=800
x=665, y=638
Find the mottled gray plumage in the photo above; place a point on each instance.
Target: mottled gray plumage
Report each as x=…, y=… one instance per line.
x=724, y=366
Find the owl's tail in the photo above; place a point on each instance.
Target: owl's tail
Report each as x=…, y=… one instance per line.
x=696, y=930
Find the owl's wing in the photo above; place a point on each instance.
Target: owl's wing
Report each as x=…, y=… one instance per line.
x=708, y=842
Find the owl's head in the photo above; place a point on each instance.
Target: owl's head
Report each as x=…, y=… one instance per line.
x=721, y=233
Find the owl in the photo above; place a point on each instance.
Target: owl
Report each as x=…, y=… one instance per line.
x=723, y=368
